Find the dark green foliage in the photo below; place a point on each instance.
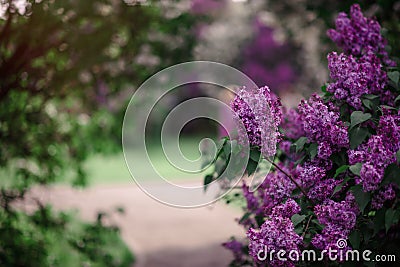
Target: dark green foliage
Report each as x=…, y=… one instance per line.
x=67, y=68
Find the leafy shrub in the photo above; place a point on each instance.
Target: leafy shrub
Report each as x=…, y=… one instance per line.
x=335, y=174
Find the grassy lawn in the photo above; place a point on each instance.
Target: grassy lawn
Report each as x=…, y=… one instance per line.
x=112, y=169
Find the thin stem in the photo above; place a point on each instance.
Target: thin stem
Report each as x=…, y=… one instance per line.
x=308, y=224
x=291, y=179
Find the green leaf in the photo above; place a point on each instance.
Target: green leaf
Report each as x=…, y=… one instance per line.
x=362, y=198
x=251, y=167
x=387, y=107
x=339, y=186
x=392, y=174
x=397, y=99
x=313, y=150
x=358, y=117
x=340, y=170
x=245, y=217
x=207, y=180
x=323, y=88
x=299, y=144
x=296, y=219
x=357, y=136
x=356, y=168
x=368, y=104
x=394, y=76
x=355, y=239
x=344, y=112
x=370, y=97
x=227, y=148
x=389, y=217
x=235, y=147
x=220, y=147
x=379, y=220
x=255, y=155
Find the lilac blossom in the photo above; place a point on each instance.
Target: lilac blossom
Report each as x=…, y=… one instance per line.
x=266, y=60
x=323, y=189
x=252, y=201
x=274, y=234
x=287, y=209
x=321, y=124
x=310, y=173
x=387, y=193
x=339, y=218
x=353, y=77
x=260, y=112
x=275, y=188
x=379, y=151
x=236, y=247
x=357, y=35
x=292, y=124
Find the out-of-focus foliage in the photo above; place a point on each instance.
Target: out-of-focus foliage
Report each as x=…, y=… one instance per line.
x=67, y=69
x=48, y=239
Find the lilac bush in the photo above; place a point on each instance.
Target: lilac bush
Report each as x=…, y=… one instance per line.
x=336, y=172
x=265, y=60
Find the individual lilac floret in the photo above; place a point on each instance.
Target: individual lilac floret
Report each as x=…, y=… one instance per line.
x=354, y=77
x=339, y=218
x=274, y=234
x=323, y=125
x=287, y=209
x=357, y=35
x=260, y=112
x=387, y=193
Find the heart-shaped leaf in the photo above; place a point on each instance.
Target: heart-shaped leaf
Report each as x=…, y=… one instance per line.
x=358, y=117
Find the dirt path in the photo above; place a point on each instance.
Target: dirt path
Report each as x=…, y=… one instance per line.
x=159, y=235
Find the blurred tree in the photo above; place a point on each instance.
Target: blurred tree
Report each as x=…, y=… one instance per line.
x=66, y=69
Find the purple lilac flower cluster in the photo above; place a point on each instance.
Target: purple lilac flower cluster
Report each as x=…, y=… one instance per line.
x=387, y=193
x=267, y=61
x=352, y=77
x=358, y=35
x=236, y=247
x=339, y=218
x=287, y=209
x=310, y=173
x=377, y=153
x=322, y=124
x=275, y=234
x=292, y=124
x=251, y=199
x=323, y=189
x=260, y=113
x=274, y=190
x=354, y=74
